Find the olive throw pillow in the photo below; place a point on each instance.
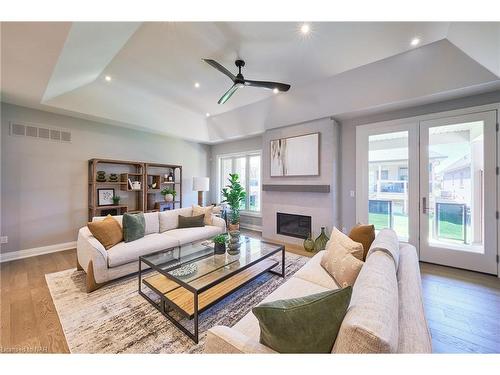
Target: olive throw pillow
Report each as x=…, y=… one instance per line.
x=191, y=221
x=303, y=325
x=134, y=226
x=364, y=234
x=108, y=231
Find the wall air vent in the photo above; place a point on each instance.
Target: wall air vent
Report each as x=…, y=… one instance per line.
x=21, y=129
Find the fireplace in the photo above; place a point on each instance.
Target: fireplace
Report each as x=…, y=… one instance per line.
x=293, y=225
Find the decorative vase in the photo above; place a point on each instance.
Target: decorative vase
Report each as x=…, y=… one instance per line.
x=309, y=244
x=220, y=248
x=234, y=242
x=113, y=177
x=100, y=176
x=321, y=241
x=169, y=198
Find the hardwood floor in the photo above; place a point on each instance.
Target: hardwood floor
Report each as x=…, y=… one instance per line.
x=462, y=307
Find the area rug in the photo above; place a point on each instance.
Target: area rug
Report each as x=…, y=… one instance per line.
x=116, y=319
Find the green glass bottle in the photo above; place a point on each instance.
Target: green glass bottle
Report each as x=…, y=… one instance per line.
x=321, y=241
x=309, y=243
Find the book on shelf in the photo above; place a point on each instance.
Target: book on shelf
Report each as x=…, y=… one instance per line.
x=130, y=184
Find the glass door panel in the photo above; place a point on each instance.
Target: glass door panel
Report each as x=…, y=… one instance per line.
x=388, y=182
x=455, y=205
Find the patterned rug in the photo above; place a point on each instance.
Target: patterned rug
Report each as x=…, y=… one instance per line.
x=116, y=319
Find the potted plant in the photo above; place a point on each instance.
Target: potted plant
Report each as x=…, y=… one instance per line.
x=169, y=194
x=234, y=195
x=220, y=244
x=116, y=200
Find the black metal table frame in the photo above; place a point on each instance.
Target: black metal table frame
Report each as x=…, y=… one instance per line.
x=166, y=305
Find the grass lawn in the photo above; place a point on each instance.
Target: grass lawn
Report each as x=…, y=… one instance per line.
x=447, y=230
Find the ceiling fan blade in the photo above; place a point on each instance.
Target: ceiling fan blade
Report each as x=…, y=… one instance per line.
x=268, y=85
x=220, y=68
x=228, y=94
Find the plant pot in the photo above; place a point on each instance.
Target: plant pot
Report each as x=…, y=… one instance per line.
x=233, y=227
x=169, y=198
x=220, y=248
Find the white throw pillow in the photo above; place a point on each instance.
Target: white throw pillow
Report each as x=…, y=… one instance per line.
x=337, y=238
x=152, y=222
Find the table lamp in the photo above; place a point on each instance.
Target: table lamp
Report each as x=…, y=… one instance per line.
x=201, y=184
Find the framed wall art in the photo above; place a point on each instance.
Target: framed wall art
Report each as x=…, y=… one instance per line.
x=295, y=156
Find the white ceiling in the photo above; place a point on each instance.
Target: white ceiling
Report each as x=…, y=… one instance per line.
x=61, y=67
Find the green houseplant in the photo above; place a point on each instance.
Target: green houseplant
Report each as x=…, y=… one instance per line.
x=169, y=194
x=234, y=195
x=220, y=244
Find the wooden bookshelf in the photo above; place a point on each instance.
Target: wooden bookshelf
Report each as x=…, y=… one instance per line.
x=133, y=200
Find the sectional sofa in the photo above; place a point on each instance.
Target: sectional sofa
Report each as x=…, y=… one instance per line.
x=162, y=232
x=386, y=313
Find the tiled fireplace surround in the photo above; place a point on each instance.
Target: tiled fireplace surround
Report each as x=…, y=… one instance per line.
x=322, y=207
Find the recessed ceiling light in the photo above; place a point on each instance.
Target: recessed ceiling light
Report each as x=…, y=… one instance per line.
x=304, y=29
x=415, y=42
x=275, y=90
x=196, y=84
x=207, y=114
x=108, y=78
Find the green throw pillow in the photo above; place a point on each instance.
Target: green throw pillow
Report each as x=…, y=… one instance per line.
x=303, y=325
x=191, y=221
x=134, y=226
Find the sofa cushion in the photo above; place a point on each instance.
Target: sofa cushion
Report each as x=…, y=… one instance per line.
x=387, y=241
x=134, y=226
x=306, y=324
x=118, y=218
x=364, y=234
x=152, y=222
x=107, y=231
x=292, y=288
x=187, y=235
x=170, y=219
x=126, y=252
x=313, y=272
x=191, y=221
x=371, y=322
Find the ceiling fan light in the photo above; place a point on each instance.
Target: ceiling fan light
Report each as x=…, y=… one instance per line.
x=275, y=90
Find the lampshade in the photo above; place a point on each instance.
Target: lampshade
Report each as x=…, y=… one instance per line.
x=201, y=183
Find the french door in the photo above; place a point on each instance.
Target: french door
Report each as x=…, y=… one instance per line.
x=458, y=225
x=434, y=182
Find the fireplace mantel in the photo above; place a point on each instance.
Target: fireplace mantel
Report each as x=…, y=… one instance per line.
x=296, y=188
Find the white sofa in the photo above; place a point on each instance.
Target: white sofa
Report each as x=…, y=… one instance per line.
x=385, y=315
x=161, y=233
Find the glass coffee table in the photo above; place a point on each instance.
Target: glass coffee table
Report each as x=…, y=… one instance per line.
x=189, y=279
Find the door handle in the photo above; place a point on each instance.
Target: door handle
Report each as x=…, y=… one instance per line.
x=424, y=205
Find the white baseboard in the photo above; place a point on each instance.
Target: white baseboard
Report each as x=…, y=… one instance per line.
x=26, y=253
x=256, y=228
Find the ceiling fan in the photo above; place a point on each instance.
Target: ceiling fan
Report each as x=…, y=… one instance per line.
x=240, y=81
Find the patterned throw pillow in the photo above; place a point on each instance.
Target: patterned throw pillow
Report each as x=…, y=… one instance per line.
x=207, y=211
x=340, y=239
x=340, y=261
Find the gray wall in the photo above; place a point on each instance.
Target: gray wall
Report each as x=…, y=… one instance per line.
x=322, y=207
x=348, y=143
x=44, y=183
x=241, y=145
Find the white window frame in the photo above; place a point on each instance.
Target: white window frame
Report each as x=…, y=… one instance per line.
x=221, y=184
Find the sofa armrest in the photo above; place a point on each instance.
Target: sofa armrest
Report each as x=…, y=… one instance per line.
x=221, y=339
x=219, y=222
x=89, y=249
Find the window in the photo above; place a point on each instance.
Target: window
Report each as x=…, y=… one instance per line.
x=247, y=166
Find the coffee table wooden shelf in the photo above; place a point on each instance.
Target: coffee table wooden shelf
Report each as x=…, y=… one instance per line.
x=214, y=278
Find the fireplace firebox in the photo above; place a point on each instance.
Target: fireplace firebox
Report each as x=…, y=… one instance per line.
x=293, y=225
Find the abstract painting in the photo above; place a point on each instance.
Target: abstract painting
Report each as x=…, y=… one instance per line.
x=295, y=156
